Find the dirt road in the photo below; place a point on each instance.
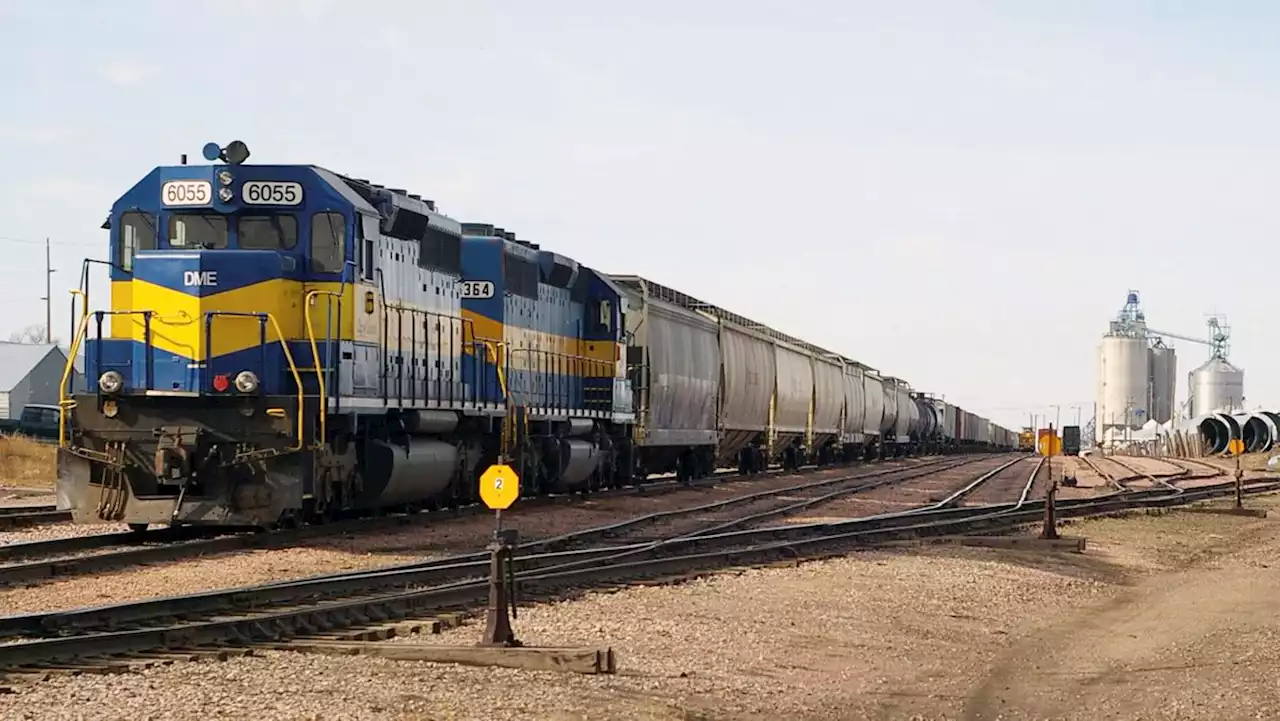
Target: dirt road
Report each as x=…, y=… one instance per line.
x=1199, y=643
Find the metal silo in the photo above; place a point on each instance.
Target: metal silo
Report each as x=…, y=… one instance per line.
x=1216, y=386
x=1164, y=382
x=1122, y=392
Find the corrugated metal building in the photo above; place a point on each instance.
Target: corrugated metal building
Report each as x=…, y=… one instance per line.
x=29, y=374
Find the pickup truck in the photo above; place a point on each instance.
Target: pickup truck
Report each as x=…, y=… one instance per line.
x=37, y=421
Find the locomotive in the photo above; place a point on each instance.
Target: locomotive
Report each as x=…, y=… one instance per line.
x=286, y=344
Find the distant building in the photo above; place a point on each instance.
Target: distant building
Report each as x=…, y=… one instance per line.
x=30, y=374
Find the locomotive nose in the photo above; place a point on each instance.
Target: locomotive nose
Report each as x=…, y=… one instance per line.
x=204, y=305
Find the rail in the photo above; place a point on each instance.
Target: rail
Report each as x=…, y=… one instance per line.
x=264, y=318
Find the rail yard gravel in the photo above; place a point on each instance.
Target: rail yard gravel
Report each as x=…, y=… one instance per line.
x=50, y=531
x=874, y=635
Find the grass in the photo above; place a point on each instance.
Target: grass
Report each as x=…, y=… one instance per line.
x=25, y=463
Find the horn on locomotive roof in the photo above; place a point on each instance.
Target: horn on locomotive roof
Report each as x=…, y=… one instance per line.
x=235, y=153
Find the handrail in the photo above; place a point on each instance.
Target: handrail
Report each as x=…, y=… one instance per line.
x=149, y=367
x=66, y=374
x=288, y=356
x=315, y=355
x=84, y=285
x=493, y=347
x=564, y=367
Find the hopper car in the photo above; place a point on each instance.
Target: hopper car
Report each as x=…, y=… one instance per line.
x=285, y=344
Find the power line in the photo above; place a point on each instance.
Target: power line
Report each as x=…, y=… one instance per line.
x=29, y=241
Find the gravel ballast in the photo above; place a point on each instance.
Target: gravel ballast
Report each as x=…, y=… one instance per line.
x=934, y=632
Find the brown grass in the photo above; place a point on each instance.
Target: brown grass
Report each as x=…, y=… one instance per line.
x=26, y=463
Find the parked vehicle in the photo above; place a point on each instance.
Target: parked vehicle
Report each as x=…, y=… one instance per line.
x=36, y=421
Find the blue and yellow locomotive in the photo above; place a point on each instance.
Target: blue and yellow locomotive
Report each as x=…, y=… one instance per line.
x=286, y=343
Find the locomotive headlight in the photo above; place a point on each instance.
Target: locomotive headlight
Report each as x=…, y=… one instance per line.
x=110, y=382
x=225, y=194
x=224, y=177
x=246, y=382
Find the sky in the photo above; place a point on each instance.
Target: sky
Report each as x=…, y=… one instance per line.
x=958, y=193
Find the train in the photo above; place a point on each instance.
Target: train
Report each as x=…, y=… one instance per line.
x=285, y=344
x=1027, y=439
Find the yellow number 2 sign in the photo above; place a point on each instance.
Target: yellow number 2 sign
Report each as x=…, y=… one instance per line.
x=499, y=487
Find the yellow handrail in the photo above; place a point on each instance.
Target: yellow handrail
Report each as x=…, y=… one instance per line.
x=315, y=356
x=84, y=301
x=293, y=367
x=63, y=401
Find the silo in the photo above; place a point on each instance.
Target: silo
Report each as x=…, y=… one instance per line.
x=1164, y=383
x=1122, y=382
x=1216, y=386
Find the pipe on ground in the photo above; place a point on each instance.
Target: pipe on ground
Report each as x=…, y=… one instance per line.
x=1216, y=431
x=1257, y=430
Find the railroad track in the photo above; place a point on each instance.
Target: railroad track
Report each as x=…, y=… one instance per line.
x=1005, y=480
x=29, y=515
x=436, y=569
x=1161, y=480
x=405, y=574
x=43, y=560
x=1121, y=481
x=121, y=636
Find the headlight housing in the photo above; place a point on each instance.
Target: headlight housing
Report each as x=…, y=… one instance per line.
x=111, y=382
x=246, y=382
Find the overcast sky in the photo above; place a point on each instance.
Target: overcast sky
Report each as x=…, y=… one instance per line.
x=957, y=193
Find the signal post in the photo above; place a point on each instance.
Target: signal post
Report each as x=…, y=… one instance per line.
x=1050, y=445
x=499, y=489
x=1236, y=446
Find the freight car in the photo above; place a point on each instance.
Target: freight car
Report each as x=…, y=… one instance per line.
x=284, y=343
x=1071, y=440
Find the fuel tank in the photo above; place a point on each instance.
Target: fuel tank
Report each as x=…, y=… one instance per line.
x=391, y=477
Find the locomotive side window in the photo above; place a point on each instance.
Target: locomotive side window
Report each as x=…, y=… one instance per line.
x=328, y=241
x=441, y=251
x=192, y=230
x=267, y=232
x=137, y=232
x=369, y=236
x=520, y=275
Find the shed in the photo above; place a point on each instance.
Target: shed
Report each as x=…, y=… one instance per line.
x=30, y=373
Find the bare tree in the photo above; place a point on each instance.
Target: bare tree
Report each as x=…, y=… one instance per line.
x=34, y=334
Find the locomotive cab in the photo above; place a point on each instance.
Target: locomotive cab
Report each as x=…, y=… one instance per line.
x=201, y=374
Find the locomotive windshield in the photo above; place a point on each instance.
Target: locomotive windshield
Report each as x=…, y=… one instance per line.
x=197, y=230
x=267, y=232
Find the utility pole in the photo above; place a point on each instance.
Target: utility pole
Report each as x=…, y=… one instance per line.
x=48, y=293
